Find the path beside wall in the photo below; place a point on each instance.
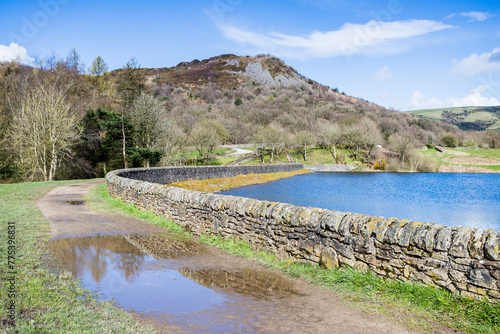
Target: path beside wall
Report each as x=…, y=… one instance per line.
x=460, y=259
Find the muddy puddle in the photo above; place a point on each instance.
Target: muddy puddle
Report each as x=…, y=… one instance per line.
x=74, y=202
x=168, y=280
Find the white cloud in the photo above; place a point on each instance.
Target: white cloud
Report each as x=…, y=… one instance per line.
x=383, y=75
x=13, y=52
x=372, y=38
x=476, y=97
x=473, y=16
x=475, y=64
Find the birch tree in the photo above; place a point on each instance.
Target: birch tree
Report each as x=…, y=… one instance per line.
x=43, y=131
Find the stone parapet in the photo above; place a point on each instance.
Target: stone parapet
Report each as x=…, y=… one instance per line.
x=461, y=259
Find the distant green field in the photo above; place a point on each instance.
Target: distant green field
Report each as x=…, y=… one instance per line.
x=474, y=118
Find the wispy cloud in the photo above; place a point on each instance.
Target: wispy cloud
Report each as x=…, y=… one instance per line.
x=476, y=64
x=14, y=52
x=372, y=38
x=473, y=16
x=476, y=97
x=383, y=75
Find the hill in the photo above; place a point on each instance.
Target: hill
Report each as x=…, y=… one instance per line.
x=136, y=116
x=466, y=118
x=229, y=71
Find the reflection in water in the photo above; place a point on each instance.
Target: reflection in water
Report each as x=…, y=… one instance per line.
x=117, y=269
x=75, y=202
x=250, y=283
x=165, y=246
x=94, y=254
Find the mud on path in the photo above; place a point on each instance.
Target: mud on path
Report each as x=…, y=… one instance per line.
x=236, y=294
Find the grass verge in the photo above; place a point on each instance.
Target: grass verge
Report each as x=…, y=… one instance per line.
x=423, y=305
x=46, y=301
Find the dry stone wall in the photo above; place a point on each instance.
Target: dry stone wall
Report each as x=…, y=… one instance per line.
x=461, y=259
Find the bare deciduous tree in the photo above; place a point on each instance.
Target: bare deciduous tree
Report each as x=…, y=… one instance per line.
x=330, y=136
x=304, y=138
x=402, y=144
x=361, y=134
x=43, y=130
x=205, y=139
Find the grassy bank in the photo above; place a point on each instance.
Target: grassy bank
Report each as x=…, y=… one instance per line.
x=466, y=160
x=46, y=301
x=414, y=305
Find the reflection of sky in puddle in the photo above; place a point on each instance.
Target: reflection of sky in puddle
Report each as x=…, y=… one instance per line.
x=118, y=270
x=148, y=290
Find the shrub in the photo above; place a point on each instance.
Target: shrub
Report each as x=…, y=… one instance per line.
x=393, y=165
x=449, y=140
x=427, y=165
x=238, y=101
x=380, y=165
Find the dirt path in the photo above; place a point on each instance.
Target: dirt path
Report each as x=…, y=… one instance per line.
x=298, y=308
x=239, y=151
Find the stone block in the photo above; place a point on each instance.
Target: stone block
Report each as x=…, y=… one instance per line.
x=457, y=276
x=314, y=220
x=443, y=239
x=328, y=259
x=342, y=249
x=417, y=238
x=430, y=236
x=361, y=266
x=363, y=245
x=345, y=224
x=492, y=246
x=476, y=290
x=476, y=244
x=459, y=245
x=438, y=274
x=406, y=233
x=369, y=226
x=380, y=230
x=332, y=220
x=392, y=233
x=481, y=278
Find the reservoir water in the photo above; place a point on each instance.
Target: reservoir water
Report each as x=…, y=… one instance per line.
x=451, y=199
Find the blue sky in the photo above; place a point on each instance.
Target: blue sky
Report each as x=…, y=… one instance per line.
x=405, y=54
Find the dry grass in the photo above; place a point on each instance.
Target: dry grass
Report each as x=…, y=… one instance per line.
x=464, y=169
x=220, y=184
x=472, y=161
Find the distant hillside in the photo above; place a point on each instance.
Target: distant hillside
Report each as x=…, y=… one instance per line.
x=466, y=118
x=230, y=72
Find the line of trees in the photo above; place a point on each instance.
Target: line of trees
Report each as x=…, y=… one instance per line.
x=60, y=120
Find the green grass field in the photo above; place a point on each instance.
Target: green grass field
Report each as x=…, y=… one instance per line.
x=441, y=157
x=47, y=301
x=484, y=114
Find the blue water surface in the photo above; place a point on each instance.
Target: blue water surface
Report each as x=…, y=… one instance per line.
x=451, y=199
